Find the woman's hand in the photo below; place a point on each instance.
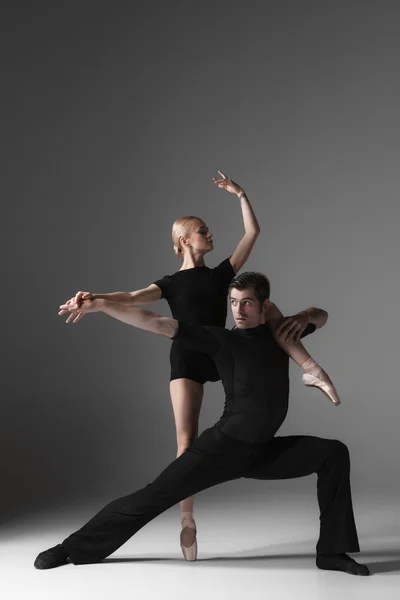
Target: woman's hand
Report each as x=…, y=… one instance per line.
x=77, y=306
x=227, y=184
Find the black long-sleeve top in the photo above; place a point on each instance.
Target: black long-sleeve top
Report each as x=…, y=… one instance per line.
x=255, y=375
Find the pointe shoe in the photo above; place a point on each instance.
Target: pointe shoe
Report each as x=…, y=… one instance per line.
x=327, y=388
x=190, y=553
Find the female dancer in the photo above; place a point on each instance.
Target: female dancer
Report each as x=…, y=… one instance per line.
x=198, y=294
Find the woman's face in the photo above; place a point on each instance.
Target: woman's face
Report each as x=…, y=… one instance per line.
x=200, y=238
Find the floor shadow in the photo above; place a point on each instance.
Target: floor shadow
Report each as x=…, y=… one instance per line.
x=261, y=557
x=386, y=566
x=252, y=562
x=138, y=559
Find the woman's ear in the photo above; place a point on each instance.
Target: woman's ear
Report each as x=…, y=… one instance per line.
x=183, y=241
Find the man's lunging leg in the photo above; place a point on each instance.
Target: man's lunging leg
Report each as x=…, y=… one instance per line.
x=208, y=462
x=298, y=456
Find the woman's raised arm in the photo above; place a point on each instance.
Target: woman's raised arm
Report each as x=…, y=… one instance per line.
x=251, y=226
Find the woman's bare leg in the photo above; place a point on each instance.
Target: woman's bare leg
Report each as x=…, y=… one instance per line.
x=314, y=375
x=186, y=397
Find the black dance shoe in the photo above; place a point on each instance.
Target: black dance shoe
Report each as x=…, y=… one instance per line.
x=341, y=562
x=51, y=558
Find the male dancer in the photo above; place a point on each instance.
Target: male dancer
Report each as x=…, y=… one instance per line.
x=254, y=372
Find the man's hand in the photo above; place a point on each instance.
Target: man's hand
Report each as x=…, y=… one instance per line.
x=81, y=304
x=291, y=328
x=227, y=184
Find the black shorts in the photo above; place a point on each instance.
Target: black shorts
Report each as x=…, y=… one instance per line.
x=188, y=364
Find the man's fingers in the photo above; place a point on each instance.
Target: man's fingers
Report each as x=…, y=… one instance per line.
x=294, y=336
x=290, y=333
x=222, y=174
x=284, y=326
x=291, y=338
x=280, y=328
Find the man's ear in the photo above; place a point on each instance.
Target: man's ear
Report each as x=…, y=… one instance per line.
x=266, y=305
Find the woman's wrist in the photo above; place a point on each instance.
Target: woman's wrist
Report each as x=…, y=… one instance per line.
x=99, y=303
x=241, y=194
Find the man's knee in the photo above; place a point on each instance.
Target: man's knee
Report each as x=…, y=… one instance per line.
x=338, y=452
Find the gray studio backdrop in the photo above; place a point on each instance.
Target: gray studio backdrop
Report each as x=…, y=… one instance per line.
x=116, y=117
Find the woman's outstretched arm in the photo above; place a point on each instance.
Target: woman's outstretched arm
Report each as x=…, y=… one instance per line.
x=147, y=295
x=251, y=226
x=201, y=339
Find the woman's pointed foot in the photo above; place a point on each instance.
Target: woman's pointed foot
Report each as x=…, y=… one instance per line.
x=323, y=384
x=189, y=539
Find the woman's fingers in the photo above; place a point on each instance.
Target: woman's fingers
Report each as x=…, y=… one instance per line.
x=222, y=174
x=68, y=307
x=71, y=317
x=72, y=307
x=79, y=296
x=224, y=183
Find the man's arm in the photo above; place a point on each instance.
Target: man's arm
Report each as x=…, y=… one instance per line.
x=205, y=339
x=136, y=317
x=291, y=328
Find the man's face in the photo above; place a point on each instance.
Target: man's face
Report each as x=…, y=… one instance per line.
x=246, y=309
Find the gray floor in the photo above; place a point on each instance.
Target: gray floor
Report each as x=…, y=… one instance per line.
x=249, y=546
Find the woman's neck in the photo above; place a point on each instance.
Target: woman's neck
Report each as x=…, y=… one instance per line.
x=191, y=261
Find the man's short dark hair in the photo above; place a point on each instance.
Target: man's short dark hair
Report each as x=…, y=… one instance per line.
x=251, y=279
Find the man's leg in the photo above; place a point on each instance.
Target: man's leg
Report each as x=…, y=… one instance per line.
x=211, y=460
x=298, y=456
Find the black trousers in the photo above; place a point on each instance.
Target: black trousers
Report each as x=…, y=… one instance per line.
x=213, y=459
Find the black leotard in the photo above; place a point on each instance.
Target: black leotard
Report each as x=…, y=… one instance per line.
x=256, y=397
x=196, y=296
